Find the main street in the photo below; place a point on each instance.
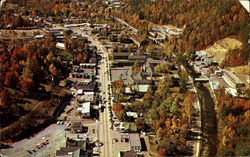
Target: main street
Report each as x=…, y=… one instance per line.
x=105, y=135
x=105, y=115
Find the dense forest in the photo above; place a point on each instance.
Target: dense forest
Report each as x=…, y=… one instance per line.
x=204, y=22
x=233, y=126
x=53, y=9
x=30, y=75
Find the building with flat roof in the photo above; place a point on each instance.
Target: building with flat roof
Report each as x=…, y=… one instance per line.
x=231, y=79
x=60, y=46
x=86, y=98
x=132, y=114
x=135, y=142
x=77, y=127
x=84, y=110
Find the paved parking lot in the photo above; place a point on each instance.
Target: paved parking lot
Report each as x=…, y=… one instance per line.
x=56, y=136
x=56, y=139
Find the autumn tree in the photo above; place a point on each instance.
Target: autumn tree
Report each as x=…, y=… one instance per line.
x=54, y=70
x=118, y=88
x=162, y=152
x=161, y=68
x=117, y=107
x=168, y=49
x=136, y=67
x=5, y=99
x=29, y=70
x=27, y=85
x=11, y=79
x=189, y=99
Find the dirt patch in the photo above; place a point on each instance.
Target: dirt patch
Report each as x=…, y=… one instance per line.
x=242, y=72
x=219, y=50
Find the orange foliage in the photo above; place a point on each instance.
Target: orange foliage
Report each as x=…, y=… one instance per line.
x=162, y=152
x=117, y=108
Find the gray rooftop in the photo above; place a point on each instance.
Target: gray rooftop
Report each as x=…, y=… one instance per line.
x=134, y=140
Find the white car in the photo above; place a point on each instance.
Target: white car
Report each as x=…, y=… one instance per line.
x=68, y=124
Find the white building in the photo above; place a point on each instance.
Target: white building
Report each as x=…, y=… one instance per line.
x=132, y=114
x=39, y=36
x=61, y=46
x=84, y=110
x=232, y=91
x=80, y=92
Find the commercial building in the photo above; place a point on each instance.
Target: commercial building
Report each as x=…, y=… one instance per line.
x=75, y=148
x=84, y=110
x=231, y=79
x=77, y=127
x=135, y=143
x=60, y=46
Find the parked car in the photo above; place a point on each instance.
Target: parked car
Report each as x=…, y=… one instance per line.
x=30, y=152
x=45, y=142
x=68, y=124
x=67, y=129
x=33, y=150
x=99, y=144
x=40, y=145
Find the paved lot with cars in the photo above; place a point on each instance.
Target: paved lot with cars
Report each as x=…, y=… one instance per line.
x=45, y=143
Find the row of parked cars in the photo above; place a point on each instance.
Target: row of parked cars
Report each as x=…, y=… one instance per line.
x=63, y=123
x=35, y=148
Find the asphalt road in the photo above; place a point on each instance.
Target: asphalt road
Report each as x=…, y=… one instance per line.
x=104, y=132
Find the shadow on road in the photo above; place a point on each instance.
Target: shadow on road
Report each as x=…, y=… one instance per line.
x=143, y=144
x=209, y=121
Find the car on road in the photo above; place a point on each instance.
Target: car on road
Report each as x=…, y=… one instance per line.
x=102, y=108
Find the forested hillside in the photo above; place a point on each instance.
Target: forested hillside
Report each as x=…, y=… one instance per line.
x=233, y=121
x=204, y=22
